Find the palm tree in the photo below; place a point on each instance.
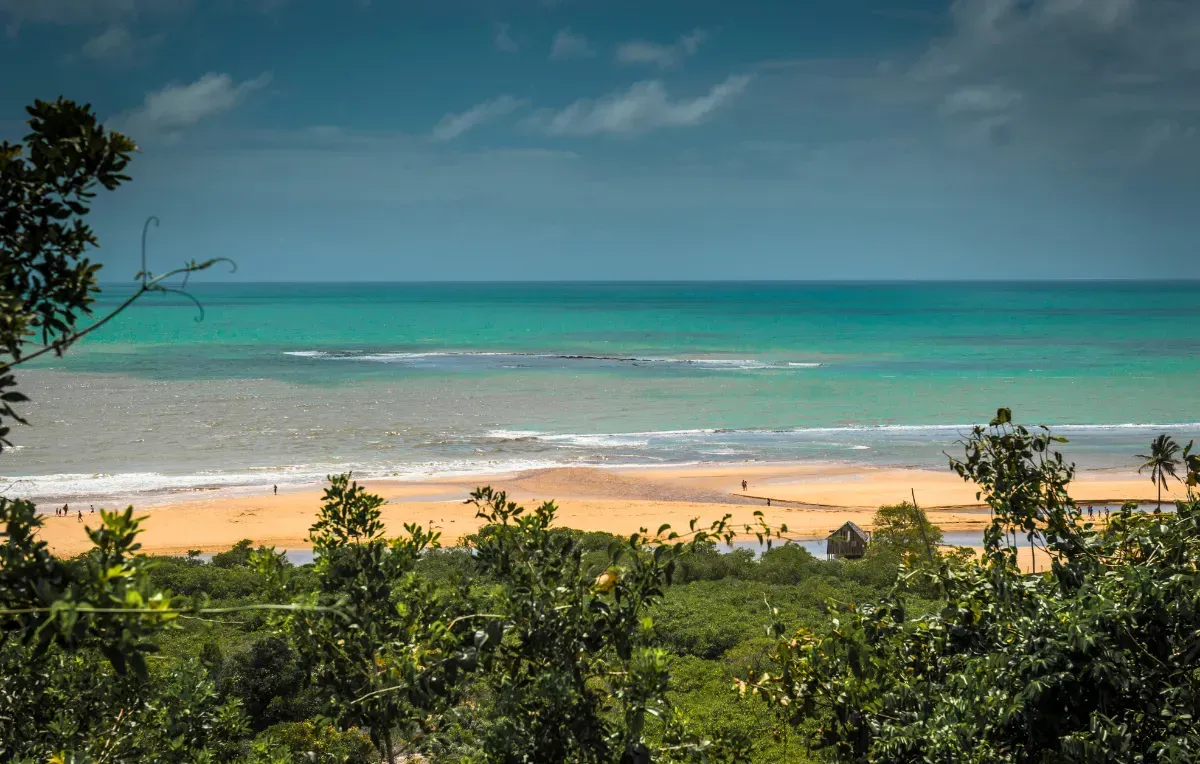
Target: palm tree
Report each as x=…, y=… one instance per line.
x=1161, y=462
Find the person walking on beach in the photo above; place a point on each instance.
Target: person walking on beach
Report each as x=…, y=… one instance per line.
x=66, y=510
x=744, y=484
x=276, y=490
x=93, y=506
x=768, y=502
x=80, y=519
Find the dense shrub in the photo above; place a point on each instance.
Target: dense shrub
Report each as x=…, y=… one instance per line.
x=312, y=741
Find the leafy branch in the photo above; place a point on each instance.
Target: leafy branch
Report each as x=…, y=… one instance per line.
x=154, y=284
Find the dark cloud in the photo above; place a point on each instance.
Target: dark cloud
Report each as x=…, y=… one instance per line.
x=1101, y=76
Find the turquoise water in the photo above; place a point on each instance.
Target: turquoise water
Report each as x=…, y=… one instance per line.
x=281, y=383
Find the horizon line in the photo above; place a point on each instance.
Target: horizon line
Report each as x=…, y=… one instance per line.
x=1089, y=280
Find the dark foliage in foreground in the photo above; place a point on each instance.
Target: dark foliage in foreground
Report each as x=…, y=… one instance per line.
x=1094, y=660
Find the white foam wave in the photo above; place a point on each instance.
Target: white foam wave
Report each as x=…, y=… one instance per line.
x=660, y=446
x=513, y=434
x=132, y=486
x=745, y=364
x=670, y=437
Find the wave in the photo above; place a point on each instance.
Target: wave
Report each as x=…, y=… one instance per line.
x=132, y=486
x=600, y=439
x=511, y=450
x=416, y=357
x=766, y=432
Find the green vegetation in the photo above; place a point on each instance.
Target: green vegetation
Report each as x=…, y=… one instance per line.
x=903, y=532
x=1095, y=660
x=539, y=644
x=535, y=644
x=1163, y=460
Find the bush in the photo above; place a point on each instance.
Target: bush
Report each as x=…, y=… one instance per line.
x=310, y=740
x=709, y=562
x=700, y=689
x=193, y=578
x=787, y=564
x=269, y=683
x=447, y=565
x=238, y=556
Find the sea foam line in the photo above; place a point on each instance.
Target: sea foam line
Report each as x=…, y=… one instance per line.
x=644, y=437
x=408, y=357
x=128, y=485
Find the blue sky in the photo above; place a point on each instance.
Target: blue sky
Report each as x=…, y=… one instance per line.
x=612, y=139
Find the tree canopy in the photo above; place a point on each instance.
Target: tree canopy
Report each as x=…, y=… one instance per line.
x=1094, y=660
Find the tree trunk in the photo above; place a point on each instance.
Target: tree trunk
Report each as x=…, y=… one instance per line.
x=387, y=742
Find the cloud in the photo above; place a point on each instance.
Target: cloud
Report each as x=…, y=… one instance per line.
x=113, y=44
x=1085, y=78
x=662, y=56
x=980, y=99
x=177, y=107
x=15, y=13
x=67, y=12
x=1163, y=135
x=501, y=39
x=453, y=125
x=644, y=107
x=567, y=45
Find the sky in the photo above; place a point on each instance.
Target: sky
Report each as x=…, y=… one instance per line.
x=367, y=140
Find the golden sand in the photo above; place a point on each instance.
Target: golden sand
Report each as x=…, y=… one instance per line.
x=811, y=499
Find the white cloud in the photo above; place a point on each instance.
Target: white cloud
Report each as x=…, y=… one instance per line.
x=645, y=106
x=176, y=107
x=662, y=56
x=569, y=45
x=502, y=40
x=453, y=125
x=113, y=45
x=980, y=99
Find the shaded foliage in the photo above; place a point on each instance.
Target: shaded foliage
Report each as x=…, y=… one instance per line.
x=1095, y=660
x=46, y=186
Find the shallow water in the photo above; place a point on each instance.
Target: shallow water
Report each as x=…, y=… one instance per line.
x=284, y=383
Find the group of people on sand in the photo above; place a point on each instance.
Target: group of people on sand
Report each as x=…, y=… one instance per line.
x=65, y=511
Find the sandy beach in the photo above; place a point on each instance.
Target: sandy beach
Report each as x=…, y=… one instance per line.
x=811, y=499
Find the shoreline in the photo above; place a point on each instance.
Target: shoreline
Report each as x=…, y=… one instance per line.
x=814, y=470
x=810, y=498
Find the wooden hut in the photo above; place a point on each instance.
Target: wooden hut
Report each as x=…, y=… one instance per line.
x=849, y=542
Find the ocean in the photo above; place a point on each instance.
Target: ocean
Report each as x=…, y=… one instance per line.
x=285, y=383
